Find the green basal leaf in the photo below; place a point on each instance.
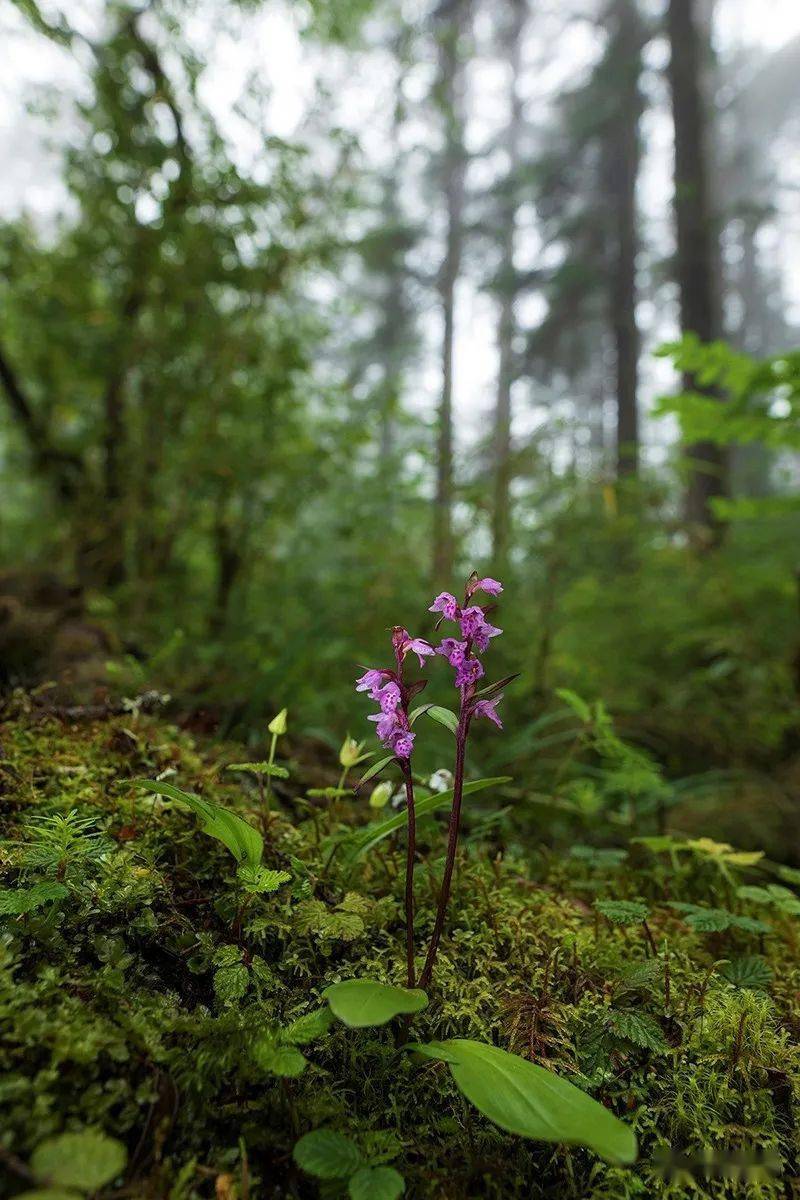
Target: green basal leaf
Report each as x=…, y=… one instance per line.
x=363, y=1002
x=241, y=839
x=327, y=1154
x=365, y=839
x=529, y=1100
x=86, y=1161
x=376, y=1183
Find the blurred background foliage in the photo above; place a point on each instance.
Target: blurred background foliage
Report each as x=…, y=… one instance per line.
x=238, y=438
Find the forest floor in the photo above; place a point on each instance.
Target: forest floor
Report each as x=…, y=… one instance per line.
x=145, y=996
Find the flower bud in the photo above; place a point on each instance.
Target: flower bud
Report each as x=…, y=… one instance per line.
x=350, y=751
x=278, y=724
x=380, y=795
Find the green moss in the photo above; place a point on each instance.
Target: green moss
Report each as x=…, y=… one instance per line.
x=149, y=1003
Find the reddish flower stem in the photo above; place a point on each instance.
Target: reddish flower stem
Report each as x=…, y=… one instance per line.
x=411, y=851
x=452, y=843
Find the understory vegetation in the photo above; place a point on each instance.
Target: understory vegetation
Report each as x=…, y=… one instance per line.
x=153, y=994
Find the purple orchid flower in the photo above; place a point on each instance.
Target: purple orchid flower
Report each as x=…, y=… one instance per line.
x=389, y=697
x=403, y=642
x=475, y=627
x=404, y=744
x=488, y=708
x=469, y=672
x=491, y=586
x=387, y=725
x=370, y=682
x=453, y=650
x=446, y=604
x=472, y=619
x=482, y=635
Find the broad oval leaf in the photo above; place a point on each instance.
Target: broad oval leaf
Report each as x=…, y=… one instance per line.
x=363, y=1002
x=85, y=1161
x=531, y=1101
x=243, y=841
x=376, y=1183
x=327, y=1154
x=365, y=839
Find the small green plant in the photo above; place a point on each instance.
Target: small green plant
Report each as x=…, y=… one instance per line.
x=245, y=843
x=276, y=1050
x=73, y=1165
x=268, y=770
x=328, y=1155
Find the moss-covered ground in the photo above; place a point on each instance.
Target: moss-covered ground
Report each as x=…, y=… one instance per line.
x=148, y=997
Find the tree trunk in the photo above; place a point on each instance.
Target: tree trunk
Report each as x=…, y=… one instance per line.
x=622, y=158
x=229, y=560
x=697, y=247
x=64, y=471
x=450, y=90
x=506, y=327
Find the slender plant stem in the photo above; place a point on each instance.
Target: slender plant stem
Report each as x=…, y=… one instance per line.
x=452, y=844
x=411, y=850
x=269, y=774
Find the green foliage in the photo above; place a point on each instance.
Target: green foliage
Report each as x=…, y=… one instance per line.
x=138, y=986
x=443, y=716
x=363, y=1002
x=639, y=1028
x=17, y=901
x=244, y=842
x=376, y=1183
x=275, y=1050
x=706, y=919
x=751, y=388
x=622, y=912
x=273, y=770
x=82, y=1161
x=363, y=841
x=748, y=971
x=326, y=1154
x=526, y=1099
x=261, y=880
